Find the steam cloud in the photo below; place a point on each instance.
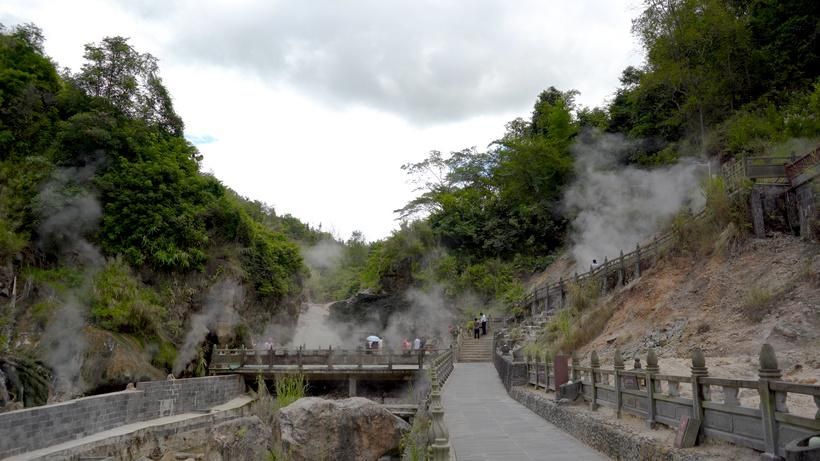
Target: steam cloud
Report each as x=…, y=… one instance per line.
x=325, y=255
x=218, y=314
x=314, y=330
x=427, y=314
x=617, y=207
x=68, y=213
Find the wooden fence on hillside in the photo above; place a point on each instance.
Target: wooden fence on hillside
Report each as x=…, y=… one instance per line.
x=783, y=171
x=610, y=274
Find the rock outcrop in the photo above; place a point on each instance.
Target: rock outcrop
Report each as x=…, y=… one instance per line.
x=313, y=428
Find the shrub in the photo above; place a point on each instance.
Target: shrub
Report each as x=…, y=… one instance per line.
x=757, y=302
x=120, y=303
x=584, y=294
x=165, y=356
x=10, y=242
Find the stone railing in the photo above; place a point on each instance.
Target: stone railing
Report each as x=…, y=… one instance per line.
x=33, y=428
x=713, y=403
x=435, y=441
x=232, y=360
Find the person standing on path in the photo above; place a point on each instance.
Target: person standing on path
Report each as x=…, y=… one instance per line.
x=476, y=329
x=483, y=324
x=416, y=344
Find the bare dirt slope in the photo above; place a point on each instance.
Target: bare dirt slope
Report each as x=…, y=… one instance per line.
x=768, y=291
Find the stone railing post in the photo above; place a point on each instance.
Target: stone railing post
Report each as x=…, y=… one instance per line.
x=770, y=401
x=439, y=449
x=594, y=365
x=618, y=365
x=299, y=357
x=621, y=270
x=330, y=357
x=360, y=357
x=651, y=370
x=389, y=360
x=537, y=362
x=604, y=274
x=575, y=363
x=637, y=260
x=698, y=370
x=546, y=372
x=549, y=374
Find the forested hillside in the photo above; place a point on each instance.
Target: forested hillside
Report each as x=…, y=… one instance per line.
x=109, y=232
x=722, y=79
x=119, y=257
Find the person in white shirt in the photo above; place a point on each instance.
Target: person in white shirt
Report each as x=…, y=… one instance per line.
x=483, y=324
x=416, y=344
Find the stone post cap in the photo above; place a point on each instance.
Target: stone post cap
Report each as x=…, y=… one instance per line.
x=618, y=359
x=698, y=367
x=652, y=361
x=769, y=368
x=593, y=360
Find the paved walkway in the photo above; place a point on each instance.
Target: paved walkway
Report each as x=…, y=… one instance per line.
x=487, y=424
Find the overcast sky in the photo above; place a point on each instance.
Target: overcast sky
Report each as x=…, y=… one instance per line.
x=312, y=106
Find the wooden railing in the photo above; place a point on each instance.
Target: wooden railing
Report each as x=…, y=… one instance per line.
x=714, y=402
x=227, y=360
x=796, y=169
x=612, y=273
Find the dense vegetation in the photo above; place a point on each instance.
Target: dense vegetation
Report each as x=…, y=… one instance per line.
x=722, y=78
x=102, y=199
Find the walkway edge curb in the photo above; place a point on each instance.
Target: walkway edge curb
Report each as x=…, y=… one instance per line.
x=608, y=439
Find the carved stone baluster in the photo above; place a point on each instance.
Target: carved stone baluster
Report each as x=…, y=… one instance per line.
x=673, y=390
x=730, y=396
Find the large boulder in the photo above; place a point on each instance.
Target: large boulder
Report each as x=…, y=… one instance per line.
x=355, y=429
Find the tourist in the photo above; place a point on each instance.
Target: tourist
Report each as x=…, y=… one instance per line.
x=594, y=264
x=476, y=328
x=483, y=324
x=405, y=346
x=417, y=344
x=373, y=342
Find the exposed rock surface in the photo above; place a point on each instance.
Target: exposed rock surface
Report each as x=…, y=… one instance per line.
x=350, y=429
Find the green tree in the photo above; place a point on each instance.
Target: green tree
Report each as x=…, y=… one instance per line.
x=128, y=80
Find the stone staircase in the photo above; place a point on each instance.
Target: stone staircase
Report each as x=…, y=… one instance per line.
x=476, y=350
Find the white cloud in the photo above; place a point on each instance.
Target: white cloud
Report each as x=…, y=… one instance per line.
x=313, y=106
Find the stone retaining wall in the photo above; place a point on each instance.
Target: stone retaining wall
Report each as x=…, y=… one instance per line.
x=606, y=438
x=33, y=428
x=511, y=374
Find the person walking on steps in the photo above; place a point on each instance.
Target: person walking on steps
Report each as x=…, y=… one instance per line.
x=476, y=329
x=483, y=324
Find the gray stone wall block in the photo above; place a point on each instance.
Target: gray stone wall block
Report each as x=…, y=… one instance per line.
x=33, y=428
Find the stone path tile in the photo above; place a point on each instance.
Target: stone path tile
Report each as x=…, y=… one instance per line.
x=486, y=424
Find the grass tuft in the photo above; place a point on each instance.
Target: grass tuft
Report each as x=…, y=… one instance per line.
x=290, y=388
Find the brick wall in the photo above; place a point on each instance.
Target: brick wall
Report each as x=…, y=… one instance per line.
x=33, y=428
